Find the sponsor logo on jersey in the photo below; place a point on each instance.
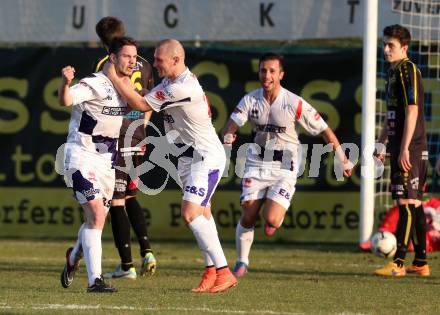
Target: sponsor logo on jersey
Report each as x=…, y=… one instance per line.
x=113, y=111
x=165, y=91
x=415, y=183
x=397, y=188
x=391, y=114
x=159, y=95
x=284, y=193
x=271, y=128
x=195, y=190
x=254, y=113
x=90, y=192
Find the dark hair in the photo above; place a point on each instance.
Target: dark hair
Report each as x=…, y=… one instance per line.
x=108, y=28
x=119, y=42
x=399, y=32
x=273, y=56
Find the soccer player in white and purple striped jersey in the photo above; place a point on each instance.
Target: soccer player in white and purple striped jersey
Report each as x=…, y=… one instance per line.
x=187, y=120
x=90, y=155
x=272, y=165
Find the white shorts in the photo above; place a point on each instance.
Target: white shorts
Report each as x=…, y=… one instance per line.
x=275, y=184
x=199, y=180
x=88, y=180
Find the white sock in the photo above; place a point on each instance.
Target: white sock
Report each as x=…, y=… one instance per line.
x=92, y=249
x=206, y=257
x=208, y=241
x=243, y=241
x=78, y=246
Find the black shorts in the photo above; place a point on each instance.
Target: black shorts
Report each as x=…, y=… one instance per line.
x=409, y=185
x=125, y=185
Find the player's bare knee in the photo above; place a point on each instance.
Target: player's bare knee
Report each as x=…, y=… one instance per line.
x=247, y=204
x=188, y=215
x=274, y=220
x=248, y=220
x=97, y=221
x=187, y=218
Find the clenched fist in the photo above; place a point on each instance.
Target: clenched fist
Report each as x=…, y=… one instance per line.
x=68, y=74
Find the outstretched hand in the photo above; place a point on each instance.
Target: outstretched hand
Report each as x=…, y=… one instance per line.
x=347, y=167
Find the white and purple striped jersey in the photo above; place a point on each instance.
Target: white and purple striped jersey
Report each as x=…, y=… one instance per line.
x=96, y=117
x=186, y=110
x=276, y=125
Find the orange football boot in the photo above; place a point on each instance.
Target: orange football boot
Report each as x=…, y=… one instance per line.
x=224, y=280
x=419, y=270
x=207, y=282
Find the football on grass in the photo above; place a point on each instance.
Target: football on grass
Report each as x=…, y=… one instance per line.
x=384, y=244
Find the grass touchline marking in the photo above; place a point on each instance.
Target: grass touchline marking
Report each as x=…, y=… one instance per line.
x=131, y=308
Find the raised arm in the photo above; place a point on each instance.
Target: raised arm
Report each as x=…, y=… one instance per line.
x=330, y=137
x=64, y=95
x=124, y=87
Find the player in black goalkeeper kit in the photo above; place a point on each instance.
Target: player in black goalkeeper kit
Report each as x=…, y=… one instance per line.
x=405, y=134
x=125, y=209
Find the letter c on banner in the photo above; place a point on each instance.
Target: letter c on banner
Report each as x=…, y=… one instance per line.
x=168, y=22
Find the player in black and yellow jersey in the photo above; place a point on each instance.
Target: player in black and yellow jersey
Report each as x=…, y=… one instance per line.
x=125, y=209
x=405, y=132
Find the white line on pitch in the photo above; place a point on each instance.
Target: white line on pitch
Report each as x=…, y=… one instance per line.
x=131, y=308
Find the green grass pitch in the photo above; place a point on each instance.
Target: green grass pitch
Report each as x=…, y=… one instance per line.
x=283, y=279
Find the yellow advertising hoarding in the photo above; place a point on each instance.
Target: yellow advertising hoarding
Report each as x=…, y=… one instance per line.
x=52, y=212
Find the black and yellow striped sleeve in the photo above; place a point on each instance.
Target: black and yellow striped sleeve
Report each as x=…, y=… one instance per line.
x=410, y=83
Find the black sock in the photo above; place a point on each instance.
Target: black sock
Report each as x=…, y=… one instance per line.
x=139, y=224
x=419, y=237
x=403, y=233
x=121, y=235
